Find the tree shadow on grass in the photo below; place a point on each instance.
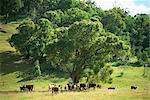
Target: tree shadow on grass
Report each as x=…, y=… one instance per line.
x=11, y=62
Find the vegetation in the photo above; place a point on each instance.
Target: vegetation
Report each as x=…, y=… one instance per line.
x=61, y=41
x=20, y=70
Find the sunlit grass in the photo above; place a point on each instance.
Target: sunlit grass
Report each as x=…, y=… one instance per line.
x=99, y=94
x=9, y=29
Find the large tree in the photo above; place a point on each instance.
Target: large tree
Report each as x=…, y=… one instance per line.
x=85, y=45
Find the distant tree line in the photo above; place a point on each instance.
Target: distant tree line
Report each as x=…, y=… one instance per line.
x=77, y=36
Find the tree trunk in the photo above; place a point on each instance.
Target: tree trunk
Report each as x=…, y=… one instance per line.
x=6, y=18
x=75, y=77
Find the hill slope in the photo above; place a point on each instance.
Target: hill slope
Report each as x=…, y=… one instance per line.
x=12, y=70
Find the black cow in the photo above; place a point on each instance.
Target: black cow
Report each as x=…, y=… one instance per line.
x=55, y=89
x=65, y=88
x=133, y=87
x=69, y=86
x=111, y=88
x=29, y=87
x=83, y=86
x=99, y=86
x=22, y=88
x=72, y=87
x=26, y=87
x=92, y=85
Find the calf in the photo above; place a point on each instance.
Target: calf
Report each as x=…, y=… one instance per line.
x=111, y=88
x=55, y=89
x=133, y=87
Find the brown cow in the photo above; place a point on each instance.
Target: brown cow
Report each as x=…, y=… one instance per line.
x=29, y=87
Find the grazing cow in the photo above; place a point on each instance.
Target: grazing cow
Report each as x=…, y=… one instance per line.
x=82, y=86
x=69, y=86
x=92, y=85
x=111, y=88
x=99, y=86
x=22, y=88
x=77, y=87
x=26, y=87
x=60, y=87
x=50, y=86
x=55, y=89
x=73, y=87
x=65, y=88
x=133, y=87
x=29, y=87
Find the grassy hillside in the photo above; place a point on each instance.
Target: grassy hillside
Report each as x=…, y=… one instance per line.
x=12, y=70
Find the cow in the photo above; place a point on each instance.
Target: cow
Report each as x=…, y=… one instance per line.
x=65, y=88
x=22, y=88
x=111, y=88
x=29, y=87
x=83, y=86
x=92, y=85
x=99, y=86
x=69, y=86
x=55, y=89
x=26, y=87
x=133, y=87
x=50, y=86
x=60, y=87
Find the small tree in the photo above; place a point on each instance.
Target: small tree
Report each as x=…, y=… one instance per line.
x=37, y=70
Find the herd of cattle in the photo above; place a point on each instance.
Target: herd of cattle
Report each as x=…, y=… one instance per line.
x=69, y=87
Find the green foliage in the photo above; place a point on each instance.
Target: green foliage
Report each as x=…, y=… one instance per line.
x=21, y=40
x=77, y=36
x=54, y=16
x=72, y=15
x=114, y=17
x=105, y=74
x=85, y=44
x=140, y=42
x=37, y=70
x=9, y=8
x=32, y=39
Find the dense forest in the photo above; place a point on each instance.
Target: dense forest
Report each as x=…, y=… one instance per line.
x=76, y=37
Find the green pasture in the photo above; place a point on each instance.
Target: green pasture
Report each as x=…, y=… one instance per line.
x=12, y=69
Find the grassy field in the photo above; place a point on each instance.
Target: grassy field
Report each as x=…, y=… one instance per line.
x=12, y=70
